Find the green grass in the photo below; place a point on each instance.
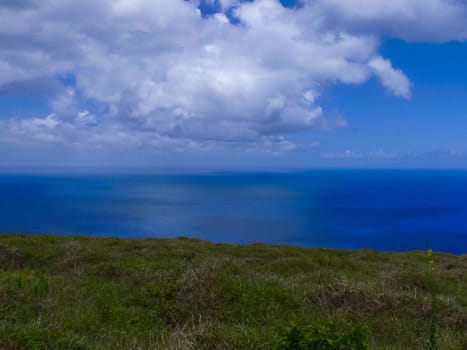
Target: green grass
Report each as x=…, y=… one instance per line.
x=105, y=293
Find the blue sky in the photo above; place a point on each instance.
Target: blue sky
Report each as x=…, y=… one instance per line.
x=233, y=84
x=432, y=120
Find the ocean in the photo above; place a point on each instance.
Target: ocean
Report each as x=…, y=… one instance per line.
x=385, y=210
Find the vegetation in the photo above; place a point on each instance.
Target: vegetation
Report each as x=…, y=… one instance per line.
x=324, y=337
x=433, y=342
x=107, y=293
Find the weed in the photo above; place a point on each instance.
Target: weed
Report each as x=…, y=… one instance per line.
x=433, y=338
x=325, y=336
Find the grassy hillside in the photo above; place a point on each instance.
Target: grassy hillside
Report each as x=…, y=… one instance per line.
x=103, y=293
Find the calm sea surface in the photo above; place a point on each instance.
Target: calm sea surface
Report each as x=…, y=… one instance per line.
x=378, y=209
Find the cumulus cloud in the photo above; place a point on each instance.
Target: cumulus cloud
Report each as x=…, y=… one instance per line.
x=394, y=80
x=416, y=20
x=158, y=73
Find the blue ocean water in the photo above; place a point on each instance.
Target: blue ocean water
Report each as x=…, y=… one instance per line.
x=376, y=209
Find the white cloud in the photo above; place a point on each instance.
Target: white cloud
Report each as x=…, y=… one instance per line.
x=419, y=20
x=394, y=80
x=350, y=154
x=155, y=72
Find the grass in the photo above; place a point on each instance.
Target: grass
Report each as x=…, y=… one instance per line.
x=105, y=293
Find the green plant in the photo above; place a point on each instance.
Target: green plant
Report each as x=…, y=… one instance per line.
x=432, y=341
x=324, y=336
x=70, y=292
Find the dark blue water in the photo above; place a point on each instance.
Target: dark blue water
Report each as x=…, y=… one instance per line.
x=379, y=209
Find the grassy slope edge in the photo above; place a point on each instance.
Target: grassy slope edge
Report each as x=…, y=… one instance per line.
x=104, y=293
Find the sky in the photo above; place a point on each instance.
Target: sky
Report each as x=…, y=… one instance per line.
x=233, y=84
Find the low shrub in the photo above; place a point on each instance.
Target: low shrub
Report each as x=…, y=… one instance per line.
x=324, y=337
